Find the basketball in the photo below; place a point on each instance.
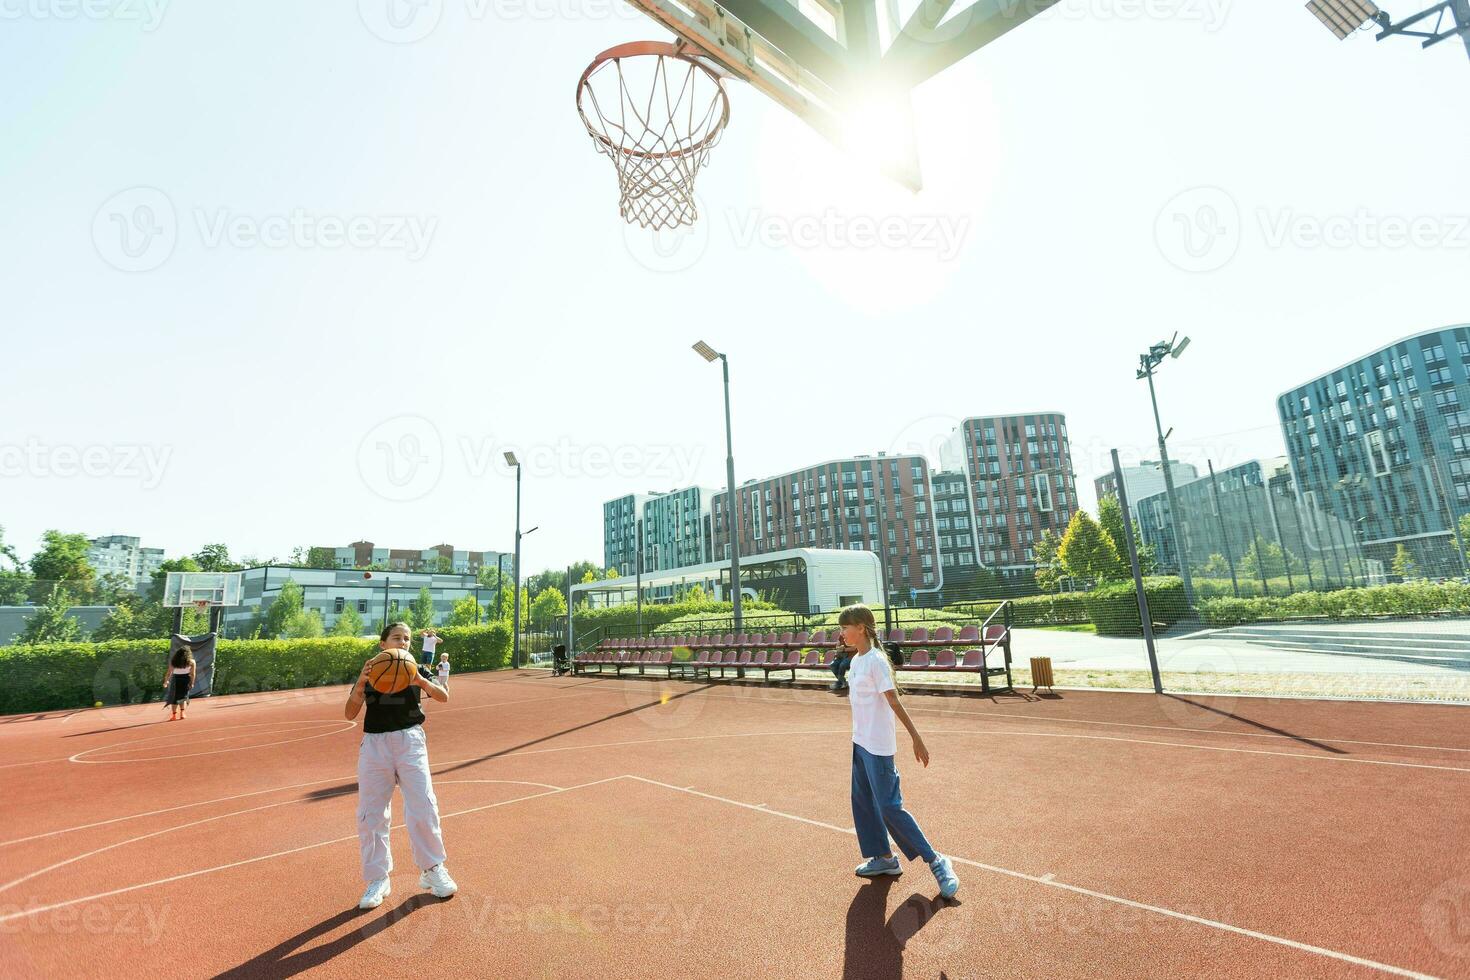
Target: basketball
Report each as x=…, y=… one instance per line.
x=391, y=671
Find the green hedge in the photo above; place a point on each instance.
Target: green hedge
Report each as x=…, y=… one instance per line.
x=1113, y=608
x=1036, y=610
x=1406, y=599
x=623, y=620
x=56, y=676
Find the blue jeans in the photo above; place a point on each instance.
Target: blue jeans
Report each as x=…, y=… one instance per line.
x=877, y=809
x=839, y=668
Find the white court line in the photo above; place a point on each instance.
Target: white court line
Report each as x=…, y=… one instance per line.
x=1046, y=881
x=24, y=913
x=835, y=731
x=833, y=703
x=225, y=816
x=126, y=746
x=1206, y=748
x=1050, y=881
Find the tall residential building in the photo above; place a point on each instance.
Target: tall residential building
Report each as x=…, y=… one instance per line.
x=676, y=529
x=620, y=520
x=1229, y=528
x=1144, y=480
x=955, y=523
x=1383, y=442
x=120, y=554
x=363, y=554
x=1021, y=484
x=864, y=503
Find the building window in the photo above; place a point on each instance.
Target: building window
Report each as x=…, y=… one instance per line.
x=1377, y=455
x=338, y=603
x=362, y=605
x=1043, y=492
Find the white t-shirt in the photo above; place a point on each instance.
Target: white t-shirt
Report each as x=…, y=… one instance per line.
x=874, y=725
x=431, y=643
x=443, y=670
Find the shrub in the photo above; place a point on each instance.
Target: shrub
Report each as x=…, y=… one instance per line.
x=1113, y=608
x=54, y=676
x=1402, y=600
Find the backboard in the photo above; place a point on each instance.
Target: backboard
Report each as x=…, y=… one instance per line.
x=846, y=67
x=204, y=589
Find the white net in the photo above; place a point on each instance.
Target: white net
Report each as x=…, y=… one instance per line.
x=657, y=114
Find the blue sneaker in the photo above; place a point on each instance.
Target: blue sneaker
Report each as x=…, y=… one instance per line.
x=944, y=874
x=873, y=867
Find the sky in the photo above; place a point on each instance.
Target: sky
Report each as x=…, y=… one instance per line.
x=273, y=280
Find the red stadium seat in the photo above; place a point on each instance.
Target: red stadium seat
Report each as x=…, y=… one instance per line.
x=970, y=634
x=944, y=660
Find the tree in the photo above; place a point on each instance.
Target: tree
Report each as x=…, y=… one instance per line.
x=15, y=581
x=215, y=558
x=113, y=587
x=1403, y=564
x=1465, y=535
x=444, y=564
x=548, y=605
x=1110, y=519
x=63, y=558
x=304, y=624
x=611, y=573
x=120, y=624
x=50, y=622
x=464, y=612
x=349, y=622
x=421, y=614
x=1047, y=566
x=588, y=577
x=289, y=602
x=1086, y=552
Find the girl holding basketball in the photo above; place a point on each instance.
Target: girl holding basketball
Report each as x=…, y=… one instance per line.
x=395, y=751
x=877, y=804
x=178, y=681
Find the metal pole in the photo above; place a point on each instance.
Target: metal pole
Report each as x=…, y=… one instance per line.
x=1143, y=614
x=638, y=583
x=386, y=580
x=1250, y=518
x=734, y=516
x=1229, y=558
x=515, y=653
x=1280, y=540
x=499, y=581
x=1175, y=514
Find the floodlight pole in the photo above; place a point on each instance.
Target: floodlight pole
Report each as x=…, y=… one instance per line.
x=1147, y=364
x=515, y=595
x=709, y=354
x=1145, y=617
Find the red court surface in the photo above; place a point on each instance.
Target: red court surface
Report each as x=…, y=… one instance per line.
x=640, y=828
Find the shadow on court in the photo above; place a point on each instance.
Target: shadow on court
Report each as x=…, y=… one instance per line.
x=331, y=791
x=119, y=728
x=1256, y=724
x=874, y=947
x=282, y=960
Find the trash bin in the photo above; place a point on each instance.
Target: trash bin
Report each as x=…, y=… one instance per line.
x=1040, y=673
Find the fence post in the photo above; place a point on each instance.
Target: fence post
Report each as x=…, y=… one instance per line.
x=1144, y=616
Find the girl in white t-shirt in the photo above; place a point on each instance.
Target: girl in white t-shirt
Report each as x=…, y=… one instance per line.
x=444, y=670
x=877, y=804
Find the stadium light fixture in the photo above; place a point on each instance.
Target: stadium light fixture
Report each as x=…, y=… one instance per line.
x=1342, y=17
x=706, y=351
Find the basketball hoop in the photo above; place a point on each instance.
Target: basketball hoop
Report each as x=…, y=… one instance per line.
x=201, y=604
x=659, y=141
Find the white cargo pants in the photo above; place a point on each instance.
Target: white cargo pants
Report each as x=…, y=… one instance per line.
x=386, y=759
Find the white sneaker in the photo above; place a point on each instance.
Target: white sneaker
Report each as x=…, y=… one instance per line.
x=438, y=882
x=376, y=892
